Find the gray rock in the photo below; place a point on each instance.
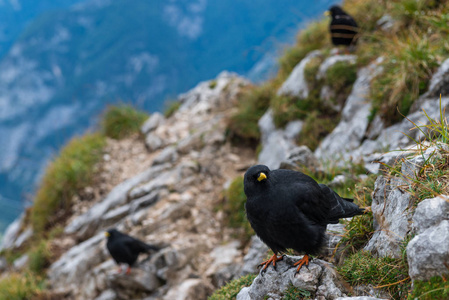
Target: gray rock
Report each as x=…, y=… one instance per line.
x=439, y=82
x=428, y=252
x=223, y=256
x=23, y=237
x=152, y=123
x=334, y=234
x=244, y=294
x=330, y=287
x=332, y=60
x=318, y=278
x=153, y=142
x=190, y=289
x=21, y=262
x=72, y=266
x=86, y=224
x=137, y=281
x=144, y=201
x=11, y=233
x=430, y=212
x=168, y=155
x=393, y=137
x=392, y=215
x=115, y=215
x=256, y=254
x=276, y=143
x=298, y=157
x=386, y=23
x=107, y=295
x=350, y=132
x=296, y=84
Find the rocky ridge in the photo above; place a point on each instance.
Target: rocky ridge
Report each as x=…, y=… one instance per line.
x=166, y=190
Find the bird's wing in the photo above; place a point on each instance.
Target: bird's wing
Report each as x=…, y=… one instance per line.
x=339, y=207
x=138, y=246
x=312, y=203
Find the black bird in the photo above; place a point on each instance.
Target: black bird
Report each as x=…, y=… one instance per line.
x=290, y=210
x=343, y=28
x=125, y=249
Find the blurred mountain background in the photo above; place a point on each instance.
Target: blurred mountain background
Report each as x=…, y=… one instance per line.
x=62, y=62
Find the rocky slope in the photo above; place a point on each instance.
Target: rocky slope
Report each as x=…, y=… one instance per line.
x=167, y=190
x=62, y=69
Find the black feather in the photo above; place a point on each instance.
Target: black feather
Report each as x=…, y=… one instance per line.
x=125, y=249
x=289, y=209
x=343, y=28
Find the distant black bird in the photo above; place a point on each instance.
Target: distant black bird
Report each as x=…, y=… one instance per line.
x=289, y=210
x=343, y=28
x=125, y=249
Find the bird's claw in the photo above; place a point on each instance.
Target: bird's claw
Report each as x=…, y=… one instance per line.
x=273, y=259
x=303, y=261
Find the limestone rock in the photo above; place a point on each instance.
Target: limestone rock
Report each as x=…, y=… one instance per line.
x=152, y=123
x=319, y=278
x=72, y=267
x=428, y=252
x=256, y=254
x=386, y=23
x=190, y=289
x=332, y=60
x=21, y=262
x=168, y=155
x=298, y=157
x=349, y=133
x=296, y=84
x=430, y=212
x=392, y=215
x=86, y=224
x=276, y=143
x=11, y=233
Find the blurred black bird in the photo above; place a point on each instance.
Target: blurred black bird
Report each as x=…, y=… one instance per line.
x=343, y=28
x=289, y=210
x=125, y=249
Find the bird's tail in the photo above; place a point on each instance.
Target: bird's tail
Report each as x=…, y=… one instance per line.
x=340, y=207
x=149, y=248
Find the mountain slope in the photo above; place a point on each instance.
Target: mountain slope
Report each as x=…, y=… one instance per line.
x=69, y=63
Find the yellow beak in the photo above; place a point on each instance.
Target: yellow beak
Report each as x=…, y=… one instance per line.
x=106, y=234
x=327, y=13
x=261, y=177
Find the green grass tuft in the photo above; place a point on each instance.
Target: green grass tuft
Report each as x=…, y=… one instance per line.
x=381, y=272
x=39, y=258
x=121, y=121
x=316, y=128
x=341, y=76
x=20, y=286
x=230, y=290
x=437, y=288
x=294, y=293
x=252, y=103
x=235, y=208
x=65, y=176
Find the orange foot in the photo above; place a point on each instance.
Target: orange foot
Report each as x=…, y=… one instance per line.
x=273, y=260
x=128, y=271
x=303, y=261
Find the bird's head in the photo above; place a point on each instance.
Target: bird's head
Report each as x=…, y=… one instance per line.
x=110, y=232
x=334, y=10
x=256, y=176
